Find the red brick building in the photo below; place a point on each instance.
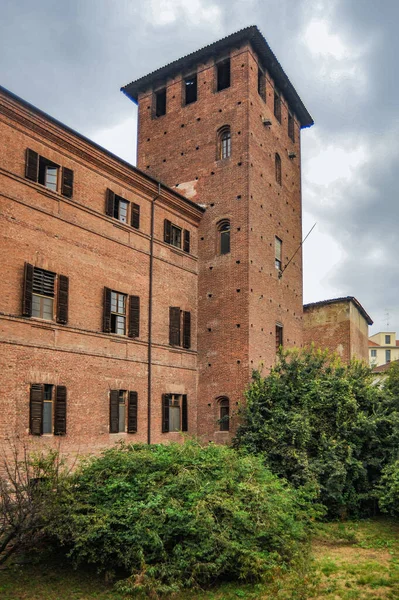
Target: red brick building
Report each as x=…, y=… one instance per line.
x=130, y=307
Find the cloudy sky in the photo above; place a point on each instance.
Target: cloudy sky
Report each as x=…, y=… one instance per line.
x=71, y=58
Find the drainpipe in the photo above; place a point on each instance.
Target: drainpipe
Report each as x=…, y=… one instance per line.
x=150, y=316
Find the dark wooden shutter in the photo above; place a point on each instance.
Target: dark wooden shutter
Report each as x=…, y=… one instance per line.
x=67, y=182
x=110, y=203
x=60, y=410
x=165, y=413
x=174, y=326
x=184, y=415
x=132, y=413
x=114, y=411
x=135, y=216
x=31, y=165
x=167, y=231
x=107, y=311
x=27, y=291
x=134, y=316
x=62, y=300
x=186, y=329
x=186, y=242
x=36, y=408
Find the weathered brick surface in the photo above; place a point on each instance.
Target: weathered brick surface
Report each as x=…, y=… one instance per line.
x=241, y=297
x=74, y=237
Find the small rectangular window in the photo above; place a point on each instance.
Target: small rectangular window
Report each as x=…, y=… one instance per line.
x=48, y=409
x=387, y=356
x=278, y=245
x=118, y=313
x=190, y=89
x=122, y=411
x=160, y=103
x=387, y=339
x=223, y=75
x=43, y=294
x=261, y=84
x=277, y=106
x=174, y=413
x=175, y=237
x=374, y=353
x=291, y=130
x=279, y=336
x=48, y=173
x=120, y=209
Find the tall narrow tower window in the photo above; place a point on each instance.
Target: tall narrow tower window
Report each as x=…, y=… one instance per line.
x=190, y=89
x=224, y=142
x=278, y=247
x=261, y=84
x=223, y=75
x=279, y=336
x=224, y=414
x=160, y=103
x=224, y=233
x=291, y=130
x=277, y=106
x=278, y=168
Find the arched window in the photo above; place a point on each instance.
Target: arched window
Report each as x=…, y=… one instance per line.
x=224, y=414
x=224, y=236
x=224, y=142
x=278, y=168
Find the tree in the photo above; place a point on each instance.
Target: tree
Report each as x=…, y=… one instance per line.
x=318, y=421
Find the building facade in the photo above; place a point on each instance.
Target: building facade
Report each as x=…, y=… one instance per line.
x=383, y=348
x=339, y=325
x=135, y=303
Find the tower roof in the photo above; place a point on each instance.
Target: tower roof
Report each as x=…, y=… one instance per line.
x=266, y=56
x=343, y=299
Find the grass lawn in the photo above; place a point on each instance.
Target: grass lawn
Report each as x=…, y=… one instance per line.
x=350, y=561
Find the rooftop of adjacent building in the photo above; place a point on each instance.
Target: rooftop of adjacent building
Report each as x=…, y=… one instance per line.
x=381, y=335
x=69, y=130
x=341, y=300
x=249, y=34
x=383, y=368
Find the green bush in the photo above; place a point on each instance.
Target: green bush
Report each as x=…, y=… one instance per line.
x=182, y=515
x=317, y=420
x=389, y=490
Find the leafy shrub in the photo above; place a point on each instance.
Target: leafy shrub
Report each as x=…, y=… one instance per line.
x=389, y=490
x=319, y=421
x=182, y=515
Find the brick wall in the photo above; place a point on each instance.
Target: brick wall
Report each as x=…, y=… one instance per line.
x=74, y=237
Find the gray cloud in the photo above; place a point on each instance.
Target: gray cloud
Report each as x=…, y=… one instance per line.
x=71, y=58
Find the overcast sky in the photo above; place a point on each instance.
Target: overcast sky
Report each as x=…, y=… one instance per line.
x=71, y=58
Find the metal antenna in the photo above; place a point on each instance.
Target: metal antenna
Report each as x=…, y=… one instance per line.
x=387, y=316
x=300, y=245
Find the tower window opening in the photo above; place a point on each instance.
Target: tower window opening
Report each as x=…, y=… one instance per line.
x=224, y=233
x=261, y=84
x=291, y=130
x=224, y=143
x=277, y=105
x=160, y=103
x=278, y=168
x=278, y=251
x=223, y=75
x=224, y=414
x=279, y=336
x=190, y=89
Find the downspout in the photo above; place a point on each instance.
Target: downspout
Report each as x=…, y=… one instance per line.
x=150, y=316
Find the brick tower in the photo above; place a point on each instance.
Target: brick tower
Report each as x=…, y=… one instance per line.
x=222, y=126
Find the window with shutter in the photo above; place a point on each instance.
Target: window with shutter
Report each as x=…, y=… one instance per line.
x=172, y=234
x=136, y=216
x=165, y=413
x=114, y=411
x=60, y=410
x=186, y=329
x=174, y=326
x=132, y=413
x=36, y=408
x=167, y=226
x=184, y=413
x=62, y=300
x=186, y=243
x=67, y=182
x=32, y=165
x=27, y=291
x=109, y=203
x=114, y=312
x=134, y=316
x=107, y=311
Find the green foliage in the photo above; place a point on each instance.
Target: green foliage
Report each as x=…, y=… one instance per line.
x=181, y=515
x=318, y=421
